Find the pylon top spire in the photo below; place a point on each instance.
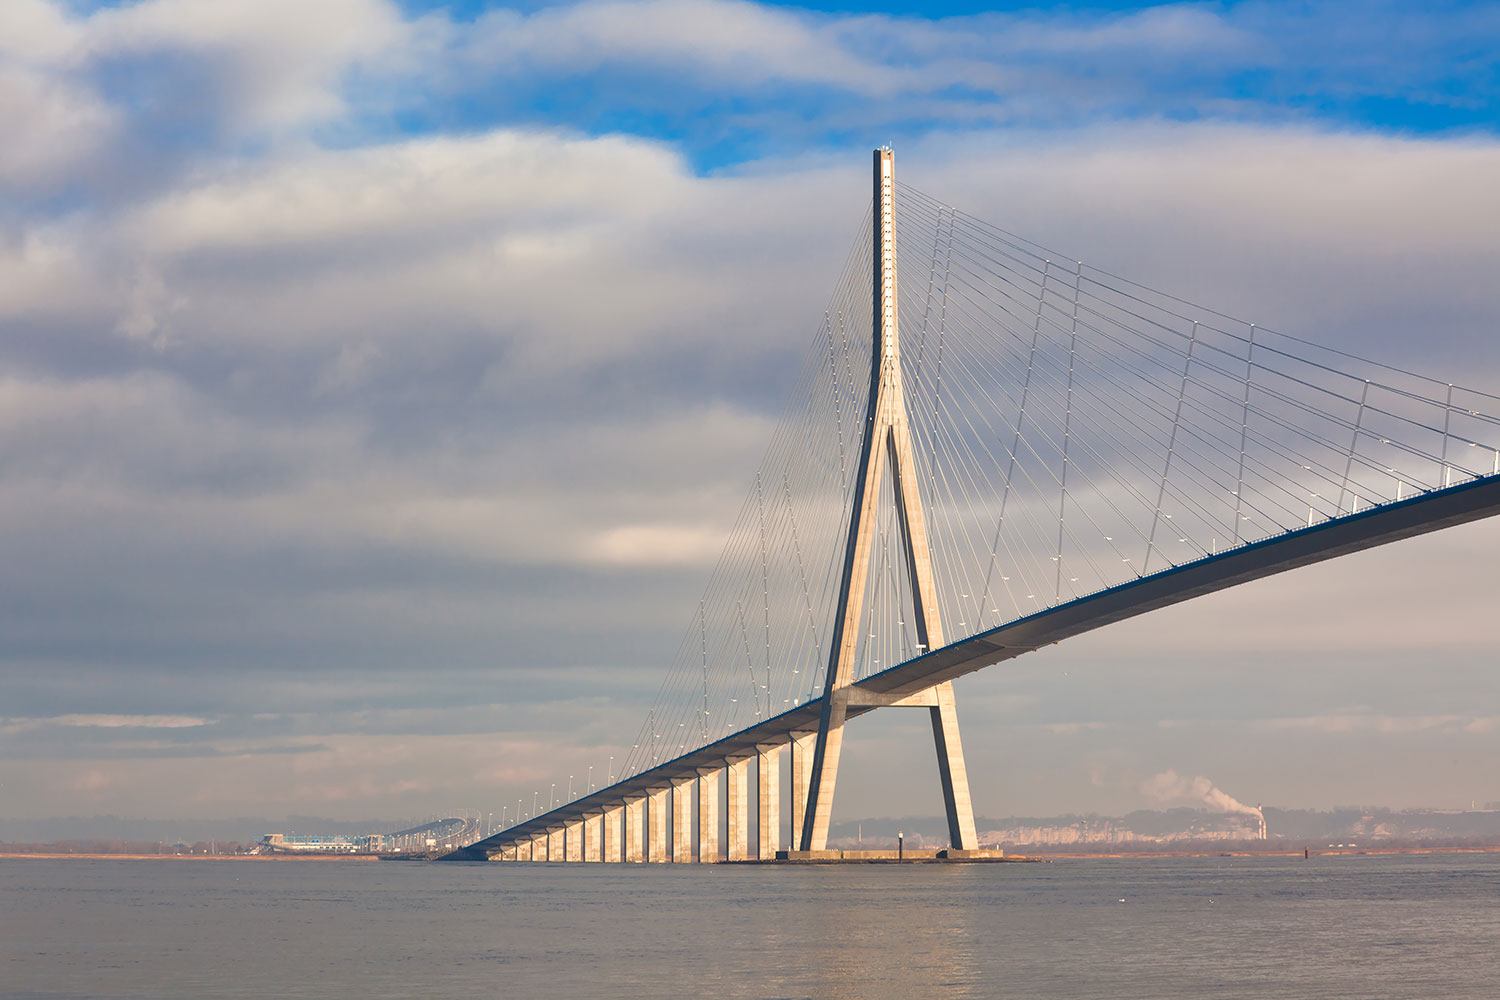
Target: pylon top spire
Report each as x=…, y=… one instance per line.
x=888, y=343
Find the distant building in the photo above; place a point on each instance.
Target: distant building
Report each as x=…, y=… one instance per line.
x=313, y=843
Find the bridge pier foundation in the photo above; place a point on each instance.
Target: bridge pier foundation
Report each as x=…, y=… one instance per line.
x=708, y=816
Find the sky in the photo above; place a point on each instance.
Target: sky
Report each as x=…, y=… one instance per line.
x=378, y=379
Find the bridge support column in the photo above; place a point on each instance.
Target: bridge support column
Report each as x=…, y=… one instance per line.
x=635, y=828
x=768, y=799
x=708, y=816
x=589, y=826
x=538, y=848
x=737, y=805
x=682, y=821
x=610, y=821
x=656, y=832
x=803, y=745
x=952, y=771
x=573, y=845
x=555, y=844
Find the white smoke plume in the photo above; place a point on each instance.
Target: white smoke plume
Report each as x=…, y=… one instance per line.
x=1169, y=787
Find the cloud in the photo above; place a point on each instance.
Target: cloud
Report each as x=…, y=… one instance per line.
x=1169, y=787
x=131, y=721
x=1352, y=723
x=160, y=88
x=86, y=721
x=54, y=124
x=651, y=544
x=350, y=447
x=367, y=411
x=159, y=83
x=726, y=40
x=783, y=78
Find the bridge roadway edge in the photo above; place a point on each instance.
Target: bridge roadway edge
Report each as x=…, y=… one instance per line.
x=1416, y=515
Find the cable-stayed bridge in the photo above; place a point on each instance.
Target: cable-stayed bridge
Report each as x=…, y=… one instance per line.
x=993, y=447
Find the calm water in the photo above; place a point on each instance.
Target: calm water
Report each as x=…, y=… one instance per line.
x=1334, y=927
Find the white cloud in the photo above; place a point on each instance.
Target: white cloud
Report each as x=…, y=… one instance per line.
x=52, y=123
x=748, y=43
x=657, y=545
x=234, y=70
x=279, y=62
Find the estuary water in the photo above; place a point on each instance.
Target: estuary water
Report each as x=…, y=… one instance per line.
x=1221, y=927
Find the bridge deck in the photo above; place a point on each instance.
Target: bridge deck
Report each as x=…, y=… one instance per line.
x=1390, y=522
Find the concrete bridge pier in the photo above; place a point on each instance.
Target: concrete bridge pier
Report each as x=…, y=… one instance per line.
x=635, y=829
x=708, y=815
x=611, y=821
x=590, y=826
x=555, y=844
x=573, y=845
x=656, y=825
x=802, y=747
x=682, y=820
x=537, y=849
x=768, y=799
x=737, y=804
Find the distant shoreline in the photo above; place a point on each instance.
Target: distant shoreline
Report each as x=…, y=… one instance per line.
x=1038, y=856
x=1316, y=852
x=60, y=856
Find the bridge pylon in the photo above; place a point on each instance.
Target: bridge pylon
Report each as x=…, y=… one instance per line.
x=886, y=447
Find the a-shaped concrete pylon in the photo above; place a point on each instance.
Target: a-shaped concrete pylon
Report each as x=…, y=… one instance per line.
x=886, y=447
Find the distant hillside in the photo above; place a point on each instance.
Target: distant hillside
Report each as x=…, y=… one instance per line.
x=248, y=829
x=1148, y=827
